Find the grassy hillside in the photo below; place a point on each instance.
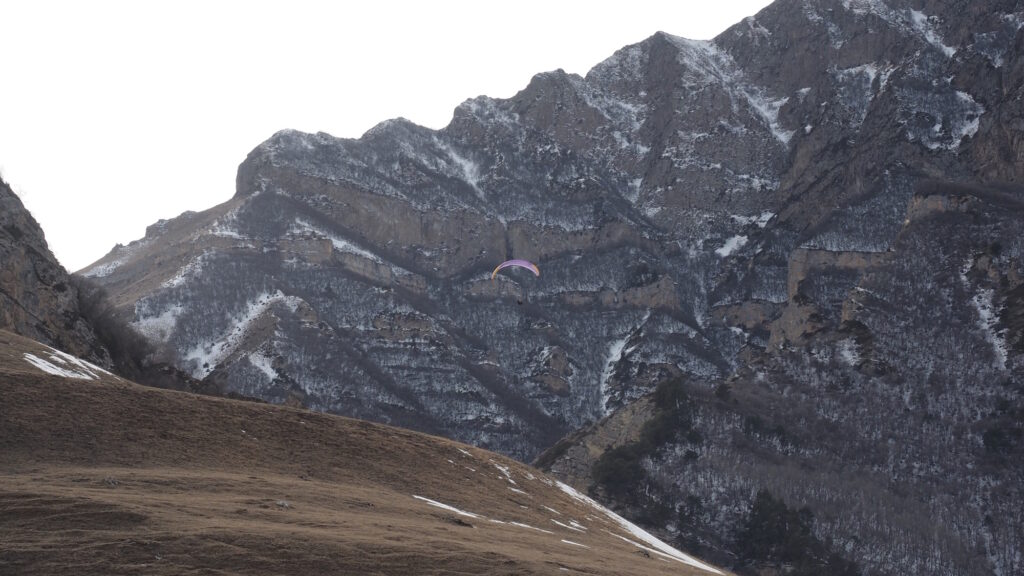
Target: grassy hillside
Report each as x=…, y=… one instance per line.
x=99, y=475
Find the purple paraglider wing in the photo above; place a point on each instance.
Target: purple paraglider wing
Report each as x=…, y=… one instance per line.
x=520, y=263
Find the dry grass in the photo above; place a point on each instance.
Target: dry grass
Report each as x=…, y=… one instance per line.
x=108, y=477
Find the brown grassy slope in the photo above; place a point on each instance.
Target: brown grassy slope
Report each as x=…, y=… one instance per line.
x=108, y=477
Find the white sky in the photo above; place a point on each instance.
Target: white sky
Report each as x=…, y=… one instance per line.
x=116, y=114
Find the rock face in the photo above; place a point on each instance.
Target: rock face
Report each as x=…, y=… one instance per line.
x=894, y=413
x=813, y=220
x=37, y=298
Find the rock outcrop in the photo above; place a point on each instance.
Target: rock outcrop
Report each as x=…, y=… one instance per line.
x=37, y=297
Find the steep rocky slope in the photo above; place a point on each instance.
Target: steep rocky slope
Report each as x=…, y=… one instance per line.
x=40, y=300
x=898, y=426
x=102, y=476
x=37, y=298
x=813, y=215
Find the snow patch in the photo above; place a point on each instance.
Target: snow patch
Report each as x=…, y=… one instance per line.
x=655, y=545
x=955, y=118
x=616, y=351
x=856, y=88
x=619, y=111
x=504, y=470
x=969, y=126
x=103, y=270
x=442, y=506
x=340, y=244
x=122, y=254
x=218, y=229
x=761, y=219
x=264, y=364
x=848, y=352
x=912, y=21
x=711, y=64
x=488, y=111
x=755, y=27
x=876, y=7
x=731, y=245
x=159, y=327
x=469, y=170
x=988, y=318
x=769, y=108
x=633, y=190
x=521, y=525
x=835, y=34
x=55, y=370
x=568, y=527
x=870, y=71
x=191, y=269
x=611, y=359
x=205, y=356
x=226, y=226
x=925, y=27
x=66, y=366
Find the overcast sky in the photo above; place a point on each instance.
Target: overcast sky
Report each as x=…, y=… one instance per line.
x=114, y=115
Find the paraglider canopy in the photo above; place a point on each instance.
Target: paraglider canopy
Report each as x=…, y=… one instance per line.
x=520, y=263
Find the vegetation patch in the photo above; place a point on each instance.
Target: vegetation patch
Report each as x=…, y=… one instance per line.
x=776, y=535
x=620, y=471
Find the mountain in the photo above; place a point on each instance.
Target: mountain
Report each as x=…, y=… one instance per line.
x=804, y=233
x=103, y=476
x=37, y=297
x=41, y=301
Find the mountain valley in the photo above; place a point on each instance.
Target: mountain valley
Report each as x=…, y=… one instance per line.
x=781, y=284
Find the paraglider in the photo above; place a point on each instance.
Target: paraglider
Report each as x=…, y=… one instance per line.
x=520, y=263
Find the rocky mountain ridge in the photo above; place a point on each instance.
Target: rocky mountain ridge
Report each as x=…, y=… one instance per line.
x=777, y=216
